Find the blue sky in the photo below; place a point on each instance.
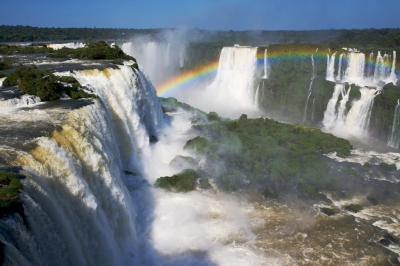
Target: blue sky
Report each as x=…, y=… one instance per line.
x=204, y=14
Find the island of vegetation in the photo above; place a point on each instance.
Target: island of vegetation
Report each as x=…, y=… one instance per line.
x=264, y=153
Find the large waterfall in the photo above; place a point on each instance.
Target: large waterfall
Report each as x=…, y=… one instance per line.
x=160, y=60
x=78, y=193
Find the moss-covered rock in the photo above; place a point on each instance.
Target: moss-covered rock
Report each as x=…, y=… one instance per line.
x=327, y=211
x=354, y=207
x=181, y=182
x=183, y=162
x=10, y=187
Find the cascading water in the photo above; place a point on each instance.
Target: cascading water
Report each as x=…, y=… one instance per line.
x=77, y=197
x=330, y=67
x=355, y=69
x=265, y=65
x=25, y=100
x=310, y=88
x=182, y=56
x=394, y=138
x=330, y=115
x=235, y=77
x=72, y=45
x=356, y=121
x=339, y=73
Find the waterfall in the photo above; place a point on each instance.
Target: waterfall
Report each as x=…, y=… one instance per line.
x=234, y=81
x=78, y=200
x=167, y=55
x=355, y=69
x=358, y=118
x=330, y=67
x=23, y=101
x=393, y=77
x=339, y=73
x=313, y=109
x=342, y=105
x=394, y=137
x=1, y=81
x=71, y=45
x=265, y=65
x=330, y=116
x=256, y=96
x=182, y=56
x=370, y=68
x=310, y=87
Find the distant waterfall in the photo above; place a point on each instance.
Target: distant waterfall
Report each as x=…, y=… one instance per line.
x=235, y=76
x=330, y=115
x=356, y=120
x=355, y=69
x=339, y=73
x=167, y=55
x=394, y=138
x=330, y=67
x=310, y=88
x=71, y=45
x=159, y=60
x=313, y=109
x=182, y=56
x=265, y=65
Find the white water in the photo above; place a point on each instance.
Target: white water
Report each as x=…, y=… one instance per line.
x=1, y=81
x=72, y=45
x=375, y=72
x=81, y=207
x=394, y=138
x=232, y=91
x=265, y=65
x=23, y=101
x=160, y=60
x=339, y=73
x=310, y=87
x=330, y=67
x=356, y=121
x=182, y=56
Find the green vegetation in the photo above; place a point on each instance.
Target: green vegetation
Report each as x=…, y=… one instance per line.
x=28, y=49
x=10, y=187
x=42, y=83
x=198, y=144
x=328, y=211
x=35, y=81
x=171, y=105
x=93, y=50
x=372, y=199
x=354, y=207
x=244, y=152
x=182, y=182
x=388, y=167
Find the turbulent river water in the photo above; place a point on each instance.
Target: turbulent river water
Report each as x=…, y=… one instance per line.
x=88, y=196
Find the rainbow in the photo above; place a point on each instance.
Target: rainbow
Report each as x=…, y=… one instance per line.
x=189, y=77
x=185, y=79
